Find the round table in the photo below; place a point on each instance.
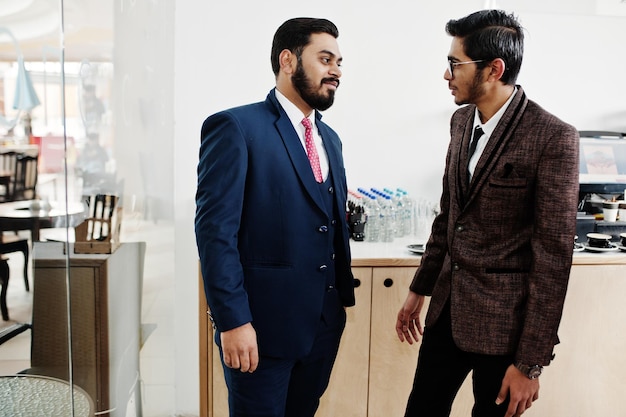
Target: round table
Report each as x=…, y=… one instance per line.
x=33, y=395
x=35, y=214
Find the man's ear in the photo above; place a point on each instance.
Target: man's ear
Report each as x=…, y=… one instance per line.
x=497, y=68
x=287, y=61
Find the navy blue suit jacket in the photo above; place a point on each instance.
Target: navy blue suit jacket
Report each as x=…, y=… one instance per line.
x=261, y=226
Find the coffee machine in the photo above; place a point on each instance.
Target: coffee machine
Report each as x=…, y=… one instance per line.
x=602, y=177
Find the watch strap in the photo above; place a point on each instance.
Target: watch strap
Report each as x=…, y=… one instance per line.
x=531, y=371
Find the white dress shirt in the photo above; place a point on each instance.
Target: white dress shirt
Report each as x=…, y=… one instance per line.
x=296, y=116
x=488, y=128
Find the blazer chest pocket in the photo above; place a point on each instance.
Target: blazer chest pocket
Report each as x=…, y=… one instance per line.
x=508, y=182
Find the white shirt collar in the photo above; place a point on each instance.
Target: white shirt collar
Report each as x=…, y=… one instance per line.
x=293, y=112
x=488, y=128
x=491, y=124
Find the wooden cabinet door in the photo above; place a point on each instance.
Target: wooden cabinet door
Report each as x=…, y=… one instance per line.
x=392, y=363
x=219, y=397
x=346, y=395
x=213, y=392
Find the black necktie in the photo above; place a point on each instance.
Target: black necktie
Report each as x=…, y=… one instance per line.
x=478, y=132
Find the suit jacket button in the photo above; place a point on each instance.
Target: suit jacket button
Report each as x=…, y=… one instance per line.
x=459, y=228
x=322, y=267
x=323, y=229
x=456, y=266
x=331, y=190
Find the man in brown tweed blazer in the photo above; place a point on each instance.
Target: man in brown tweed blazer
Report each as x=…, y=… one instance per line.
x=498, y=259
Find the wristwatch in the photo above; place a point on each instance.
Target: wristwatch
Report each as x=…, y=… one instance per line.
x=531, y=371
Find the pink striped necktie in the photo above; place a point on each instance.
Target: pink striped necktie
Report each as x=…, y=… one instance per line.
x=311, y=150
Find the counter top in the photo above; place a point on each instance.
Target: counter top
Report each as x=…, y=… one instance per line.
x=384, y=254
x=396, y=254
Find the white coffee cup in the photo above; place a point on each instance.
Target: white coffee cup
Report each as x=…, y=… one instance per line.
x=610, y=209
x=599, y=240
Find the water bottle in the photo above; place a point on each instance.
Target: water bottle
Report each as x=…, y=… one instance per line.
x=388, y=227
x=373, y=223
x=409, y=216
x=426, y=212
x=401, y=214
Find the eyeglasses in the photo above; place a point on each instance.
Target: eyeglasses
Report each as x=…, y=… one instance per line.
x=452, y=64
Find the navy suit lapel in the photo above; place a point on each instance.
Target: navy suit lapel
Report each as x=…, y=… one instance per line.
x=334, y=156
x=298, y=156
x=333, y=151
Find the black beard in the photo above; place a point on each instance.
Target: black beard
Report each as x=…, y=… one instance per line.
x=303, y=85
x=476, y=90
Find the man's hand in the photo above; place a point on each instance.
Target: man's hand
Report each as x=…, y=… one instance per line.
x=521, y=390
x=239, y=347
x=408, y=323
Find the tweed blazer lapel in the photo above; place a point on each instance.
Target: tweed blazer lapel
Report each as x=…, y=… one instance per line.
x=463, y=158
x=497, y=142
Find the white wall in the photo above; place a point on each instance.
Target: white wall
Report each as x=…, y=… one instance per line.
x=393, y=106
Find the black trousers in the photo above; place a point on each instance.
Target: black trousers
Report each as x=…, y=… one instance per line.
x=289, y=387
x=441, y=369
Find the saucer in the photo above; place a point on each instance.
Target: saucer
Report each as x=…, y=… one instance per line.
x=621, y=247
x=613, y=248
x=417, y=248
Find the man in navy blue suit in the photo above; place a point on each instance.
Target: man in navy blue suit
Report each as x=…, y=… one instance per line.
x=272, y=236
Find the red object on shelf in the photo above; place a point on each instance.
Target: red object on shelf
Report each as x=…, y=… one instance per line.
x=51, y=152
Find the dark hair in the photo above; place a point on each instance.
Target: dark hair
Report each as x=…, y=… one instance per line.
x=491, y=34
x=295, y=34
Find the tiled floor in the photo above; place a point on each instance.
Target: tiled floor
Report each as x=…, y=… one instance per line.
x=157, y=354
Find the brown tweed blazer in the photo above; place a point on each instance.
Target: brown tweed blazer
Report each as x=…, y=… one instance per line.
x=501, y=248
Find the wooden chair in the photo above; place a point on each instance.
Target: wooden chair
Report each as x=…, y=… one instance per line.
x=4, y=281
x=9, y=244
x=7, y=172
x=25, y=180
x=21, y=187
x=14, y=243
x=12, y=331
x=99, y=232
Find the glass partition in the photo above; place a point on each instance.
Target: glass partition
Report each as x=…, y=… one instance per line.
x=84, y=90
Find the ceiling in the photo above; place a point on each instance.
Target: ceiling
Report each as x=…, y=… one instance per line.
x=36, y=25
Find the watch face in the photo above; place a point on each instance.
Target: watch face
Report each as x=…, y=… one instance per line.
x=534, y=372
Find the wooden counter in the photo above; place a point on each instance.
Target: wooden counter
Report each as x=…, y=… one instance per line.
x=397, y=254
x=374, y=371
